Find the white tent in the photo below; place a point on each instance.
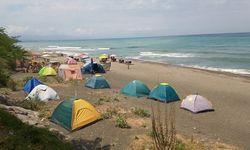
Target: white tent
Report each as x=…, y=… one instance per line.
x=196, y=103
x=42, y=93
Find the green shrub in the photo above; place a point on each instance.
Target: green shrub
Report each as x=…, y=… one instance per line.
x=101, y=100
x=4, y=77
x=12, y=84
x=141, y=112
x=179, y=145
x=21, y=136
x=121, y=122
x=110, y=112
x=58, y=79
x=32, y=104
x=43, y=78
x=25, y=79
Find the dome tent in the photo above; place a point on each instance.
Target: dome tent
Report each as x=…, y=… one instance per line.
x=97, y=82
x=95, y=67
x=135, y=88
x=164, y=92
x=42, y=93
x=47, y=71
x=74, y=113
x=196, y=103
x=31, y=84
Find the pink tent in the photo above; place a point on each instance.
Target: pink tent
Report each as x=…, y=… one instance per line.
x=196, y=103
x=68, y=72
x=71, y=61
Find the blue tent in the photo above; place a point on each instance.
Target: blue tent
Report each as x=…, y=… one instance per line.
x=31, y=84
x=97, y=82
x=96, y=68
x=135, y=88
x=164, y=92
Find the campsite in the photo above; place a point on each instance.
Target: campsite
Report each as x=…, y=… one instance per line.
x=120, y=104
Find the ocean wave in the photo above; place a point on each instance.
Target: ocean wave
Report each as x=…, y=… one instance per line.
x=176, y=55
x=103, y=48
x=230, y=70
x=66, y=48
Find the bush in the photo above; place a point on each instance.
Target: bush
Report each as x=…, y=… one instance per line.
x=4, y=77
x=12, y=84
x=21, y=136
x=42, y=78
x=32, y=104
x=25, y=79
x=121, y=122
x=163, y=128
x=110, y=112
x=58, y=79
x=103, y=99
x=141, y=112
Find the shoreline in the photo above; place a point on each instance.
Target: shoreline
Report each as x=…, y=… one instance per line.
x=228, y=73
x=231, y=74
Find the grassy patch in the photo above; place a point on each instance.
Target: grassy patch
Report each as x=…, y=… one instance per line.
x=58, y=79
x=21, y=136
x=12, y=84
x=35, y=105
x=43, y=78
x=121, y=122
x=141, y=112
x=110, y=112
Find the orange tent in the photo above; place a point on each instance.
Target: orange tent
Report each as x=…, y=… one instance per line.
x=68, y=72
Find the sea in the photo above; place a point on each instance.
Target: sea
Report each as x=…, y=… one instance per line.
x=228, y=52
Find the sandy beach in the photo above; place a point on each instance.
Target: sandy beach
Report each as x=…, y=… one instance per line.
x=229, y=94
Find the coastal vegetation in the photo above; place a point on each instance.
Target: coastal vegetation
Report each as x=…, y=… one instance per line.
x=17, y=135
x=10, y=53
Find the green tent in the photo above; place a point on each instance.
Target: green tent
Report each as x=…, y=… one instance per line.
x=47, y=71
x=74, y=113
x=164, y=92
x=135, y=88
x=97, y=82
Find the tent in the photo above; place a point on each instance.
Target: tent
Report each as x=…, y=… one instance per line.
x=31, y=84
x=164, y=92
x=74, y=113
x=42, y=93
x=71, y=61
x=96, y=68
x=196, y=103
x=47, y=71
x=103, y=57
x=135, y=88
x=68, y=72
x=97, y=82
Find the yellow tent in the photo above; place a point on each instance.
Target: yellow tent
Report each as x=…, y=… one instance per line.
x=75, y=113
x=103, y=57
x=47, y=71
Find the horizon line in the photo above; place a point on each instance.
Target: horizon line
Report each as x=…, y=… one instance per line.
x=112, y=38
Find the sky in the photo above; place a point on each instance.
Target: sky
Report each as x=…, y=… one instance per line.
x=87, y=19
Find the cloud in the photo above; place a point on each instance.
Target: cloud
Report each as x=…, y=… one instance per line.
x=16, y=30
x=115, y=18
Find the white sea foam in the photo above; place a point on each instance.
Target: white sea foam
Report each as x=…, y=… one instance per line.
x=234, y=71
x=103, y=48
x=71, y=48
x=176, y=55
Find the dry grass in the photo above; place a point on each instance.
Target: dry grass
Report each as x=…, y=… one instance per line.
x=163, y=127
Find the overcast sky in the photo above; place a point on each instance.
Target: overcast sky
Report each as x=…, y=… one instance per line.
x=80, y=19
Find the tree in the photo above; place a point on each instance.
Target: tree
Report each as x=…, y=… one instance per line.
x=10, y=52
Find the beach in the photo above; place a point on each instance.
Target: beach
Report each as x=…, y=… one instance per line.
x=229, y=94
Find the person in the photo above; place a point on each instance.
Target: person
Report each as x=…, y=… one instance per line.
x=92, y=71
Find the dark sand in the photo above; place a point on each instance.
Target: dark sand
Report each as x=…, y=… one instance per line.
x=229, y=94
